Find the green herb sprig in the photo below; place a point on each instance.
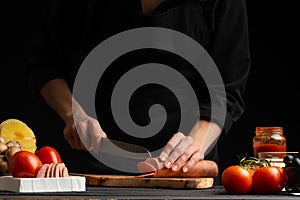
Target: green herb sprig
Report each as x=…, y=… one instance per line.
x=253, y=162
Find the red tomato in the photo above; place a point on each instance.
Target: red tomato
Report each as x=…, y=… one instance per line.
x=236, y=180
x=268, y=180
x=284, y=175
x=48, y=155
x=24, y=164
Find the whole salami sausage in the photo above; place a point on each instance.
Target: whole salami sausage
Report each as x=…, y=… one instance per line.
x=152, y=167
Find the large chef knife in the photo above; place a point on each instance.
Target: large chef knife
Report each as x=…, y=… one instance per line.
x=123, y=149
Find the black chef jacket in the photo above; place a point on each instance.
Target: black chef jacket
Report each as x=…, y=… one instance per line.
x=71, y=29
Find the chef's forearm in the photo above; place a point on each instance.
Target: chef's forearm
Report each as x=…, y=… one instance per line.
x=59, y=97
x=205, y=133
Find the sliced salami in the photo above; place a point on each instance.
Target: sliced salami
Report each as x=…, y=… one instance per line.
x=42, y=172
x=65, y=172
x=56, y=170
x=48, y=171
x=53, y=170
x=60, y=167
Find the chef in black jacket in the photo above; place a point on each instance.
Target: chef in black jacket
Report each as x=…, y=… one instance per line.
x=70, y=30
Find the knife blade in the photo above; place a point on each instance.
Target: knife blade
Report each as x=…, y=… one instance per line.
x=124, y=149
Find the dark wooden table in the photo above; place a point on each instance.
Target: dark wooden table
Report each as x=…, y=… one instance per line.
x=216, y=192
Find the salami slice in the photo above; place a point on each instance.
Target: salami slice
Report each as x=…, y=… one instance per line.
x=48, y=171
x=42, y=171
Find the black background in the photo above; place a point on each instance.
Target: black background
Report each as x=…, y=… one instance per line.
x=272, y=92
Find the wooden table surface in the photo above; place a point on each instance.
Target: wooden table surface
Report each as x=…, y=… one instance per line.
x=216, y=192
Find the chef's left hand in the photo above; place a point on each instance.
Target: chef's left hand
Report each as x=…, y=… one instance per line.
x=181, y=152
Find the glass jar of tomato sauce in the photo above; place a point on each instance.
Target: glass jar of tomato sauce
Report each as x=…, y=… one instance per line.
x=269, y=139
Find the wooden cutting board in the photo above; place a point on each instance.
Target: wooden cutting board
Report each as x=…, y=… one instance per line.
x=132, y=181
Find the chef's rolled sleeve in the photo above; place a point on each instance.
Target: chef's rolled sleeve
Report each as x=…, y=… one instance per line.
x=44, y=61
x=230, y=51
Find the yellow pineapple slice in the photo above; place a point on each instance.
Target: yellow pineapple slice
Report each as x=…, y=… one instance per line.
x=14, y=129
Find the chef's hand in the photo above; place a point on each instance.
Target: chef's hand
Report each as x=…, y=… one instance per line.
x=181, y=153
x=86, y=135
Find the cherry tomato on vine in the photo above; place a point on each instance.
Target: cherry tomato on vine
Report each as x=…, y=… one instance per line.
x=24, y=164
x=268, y=180
x=237, y=180
x=48, y=155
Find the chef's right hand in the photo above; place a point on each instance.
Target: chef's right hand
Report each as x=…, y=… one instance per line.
x=86, y=135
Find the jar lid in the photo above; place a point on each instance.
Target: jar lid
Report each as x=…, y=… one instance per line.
x=269, y=129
